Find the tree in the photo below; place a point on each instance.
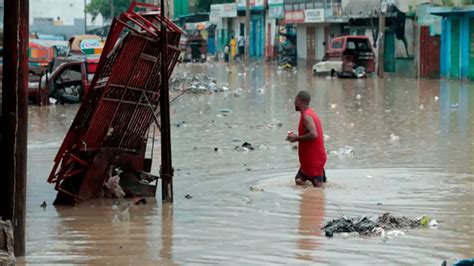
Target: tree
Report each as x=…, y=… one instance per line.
x=103, y=7
x=205, y=5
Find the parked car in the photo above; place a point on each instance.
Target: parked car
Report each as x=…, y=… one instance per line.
x=347, y=56
x=193, y=47
x=68, y=82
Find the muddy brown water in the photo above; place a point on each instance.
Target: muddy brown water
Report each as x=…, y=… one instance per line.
x=425, y=167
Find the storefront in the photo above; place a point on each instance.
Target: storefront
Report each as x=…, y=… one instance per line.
x=257, y=26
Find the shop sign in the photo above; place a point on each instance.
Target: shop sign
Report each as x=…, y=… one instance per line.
x=314, y=15
x=223, y=11
x=294, y=16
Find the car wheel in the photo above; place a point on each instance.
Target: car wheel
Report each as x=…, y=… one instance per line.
x=359, y=72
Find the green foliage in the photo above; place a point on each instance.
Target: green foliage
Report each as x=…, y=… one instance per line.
x=205, y=5
x=468, y=2
x=102, y=7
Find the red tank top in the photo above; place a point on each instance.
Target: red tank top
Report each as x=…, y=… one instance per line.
x=312, y=154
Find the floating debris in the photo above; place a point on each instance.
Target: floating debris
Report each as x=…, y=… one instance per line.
x=358, y=96
x=113, y=183
x=394, y=137
x=188, y=196
x=256, y=189
x=195, y=83
x=181, y=124
x=225, y=111
x=248, y=146
x=386, y=225
x=343, y=151
x=43, y=205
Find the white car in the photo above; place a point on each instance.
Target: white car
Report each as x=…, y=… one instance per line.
x=327, y=68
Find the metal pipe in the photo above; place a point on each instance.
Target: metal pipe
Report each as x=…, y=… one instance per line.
x=15, y=115
x=166, y=164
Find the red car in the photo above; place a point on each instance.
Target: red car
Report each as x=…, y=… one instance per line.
x=347, y=56
x=68, y=82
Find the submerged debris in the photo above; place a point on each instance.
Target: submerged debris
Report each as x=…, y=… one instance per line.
x=112, y=185
x=371, y=226
x=342, y=152
x=196, y=83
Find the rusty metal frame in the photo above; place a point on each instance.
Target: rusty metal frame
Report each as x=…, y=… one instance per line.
x=122, y=101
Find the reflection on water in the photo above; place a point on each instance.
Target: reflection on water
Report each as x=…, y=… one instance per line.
x=311, y=220
x=428, y=169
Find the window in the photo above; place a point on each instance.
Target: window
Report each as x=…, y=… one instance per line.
x=351, y=45
x=358, y=44
x=336, y=44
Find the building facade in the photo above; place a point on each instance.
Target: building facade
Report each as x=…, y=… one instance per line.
x=61, y=17
x=457, y=41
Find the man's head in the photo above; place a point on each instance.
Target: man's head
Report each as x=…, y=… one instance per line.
x=302, y=100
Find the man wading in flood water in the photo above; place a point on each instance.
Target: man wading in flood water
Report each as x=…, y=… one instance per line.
x=310, y=138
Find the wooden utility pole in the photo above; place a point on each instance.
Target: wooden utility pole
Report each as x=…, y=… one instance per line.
x=381, y=55
x=247, y=30
x=166, y=171
x=15, y=119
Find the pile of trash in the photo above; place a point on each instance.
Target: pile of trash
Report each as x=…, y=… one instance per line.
x=195, y=83
x=376, y=226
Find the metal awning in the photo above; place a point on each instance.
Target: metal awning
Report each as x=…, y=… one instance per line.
x=447, y=11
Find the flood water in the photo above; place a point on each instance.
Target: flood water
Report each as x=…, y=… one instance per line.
x=425, y=167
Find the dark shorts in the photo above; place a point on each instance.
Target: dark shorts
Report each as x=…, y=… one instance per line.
x=321, y=179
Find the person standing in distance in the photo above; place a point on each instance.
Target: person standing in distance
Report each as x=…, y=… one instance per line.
x=241, y=44
x=310, y=138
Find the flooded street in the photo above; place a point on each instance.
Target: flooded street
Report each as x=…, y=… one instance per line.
x=413, y=154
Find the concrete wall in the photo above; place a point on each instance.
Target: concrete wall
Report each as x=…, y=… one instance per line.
x=301, y=41
x=320, y=49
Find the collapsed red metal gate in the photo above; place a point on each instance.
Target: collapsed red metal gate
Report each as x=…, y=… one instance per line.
x=112, y=123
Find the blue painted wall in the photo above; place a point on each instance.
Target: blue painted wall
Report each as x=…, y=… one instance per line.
x=445, y=47
x=464, y=46
x=445, y=56
x=257, y=36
